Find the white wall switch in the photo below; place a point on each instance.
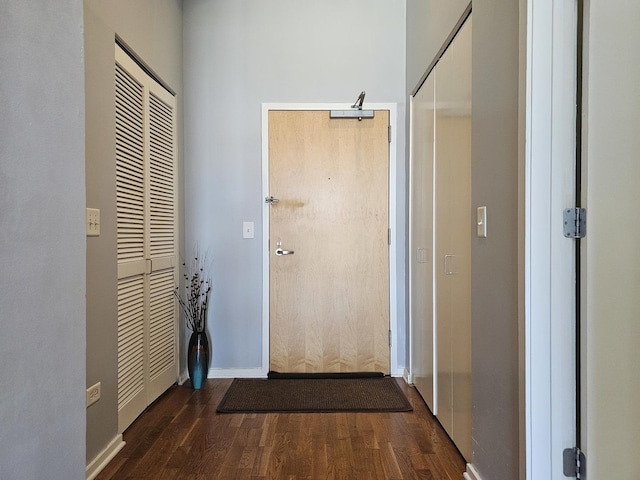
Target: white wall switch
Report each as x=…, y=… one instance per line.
x=93, y=222
x=482, y=222
x=247, y=229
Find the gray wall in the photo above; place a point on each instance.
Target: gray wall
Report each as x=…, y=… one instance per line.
x=153, y=29
x=42, y=242
x=494, y=299
x=429, y=23
x=239, y=54
x=495, y=355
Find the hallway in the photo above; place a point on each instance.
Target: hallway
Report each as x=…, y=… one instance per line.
x=182, y=437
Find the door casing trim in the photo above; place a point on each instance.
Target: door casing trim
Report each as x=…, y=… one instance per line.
x=393, y=294
x=546, y=270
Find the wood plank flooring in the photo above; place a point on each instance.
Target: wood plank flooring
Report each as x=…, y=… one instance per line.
x=181, y=436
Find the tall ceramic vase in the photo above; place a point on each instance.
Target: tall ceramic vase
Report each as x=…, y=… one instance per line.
x=198, y=359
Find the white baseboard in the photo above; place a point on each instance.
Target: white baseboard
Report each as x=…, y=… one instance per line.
x=471, y=473
x=259, y=373
x=104, y=457
x=407, y=377
x=227, y=373
x=237, y=373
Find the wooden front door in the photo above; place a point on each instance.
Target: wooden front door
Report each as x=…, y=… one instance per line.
x=329, y=248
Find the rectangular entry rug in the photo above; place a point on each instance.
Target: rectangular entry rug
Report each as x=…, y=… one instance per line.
x=297, y=395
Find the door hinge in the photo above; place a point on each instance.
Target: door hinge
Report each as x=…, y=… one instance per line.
x=389, y=236
x=389, y=133
x=574, y=463
x=575, y=222
x=389, y=338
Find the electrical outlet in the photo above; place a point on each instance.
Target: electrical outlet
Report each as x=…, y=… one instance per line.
x=93, y=222
x=93, y=394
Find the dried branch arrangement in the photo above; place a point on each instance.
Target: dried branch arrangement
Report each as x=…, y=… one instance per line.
x=195, y=303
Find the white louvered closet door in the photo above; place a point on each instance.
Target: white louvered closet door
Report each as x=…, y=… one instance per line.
x=147, y=239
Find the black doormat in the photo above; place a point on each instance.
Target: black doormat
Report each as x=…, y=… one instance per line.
x=287, y=395
x=273, y=374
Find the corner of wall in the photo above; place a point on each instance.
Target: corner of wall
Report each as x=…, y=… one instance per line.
x=104, y=457
x=471, y=473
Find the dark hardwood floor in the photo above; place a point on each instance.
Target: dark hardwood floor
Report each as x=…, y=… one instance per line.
x=181, y=436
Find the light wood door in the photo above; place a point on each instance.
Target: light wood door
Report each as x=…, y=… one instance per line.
x=329, y=300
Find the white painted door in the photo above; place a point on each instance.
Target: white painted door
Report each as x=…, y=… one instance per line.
x=146, y=239
x=421, y=276
x=440, y=242
x=329, y=249
x=611, y=266
x=453, y=238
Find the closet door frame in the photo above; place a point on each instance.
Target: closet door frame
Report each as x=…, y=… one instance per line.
x=547, y=271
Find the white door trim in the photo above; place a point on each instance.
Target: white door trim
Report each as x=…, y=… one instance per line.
x=393, y=297
x=549, y=272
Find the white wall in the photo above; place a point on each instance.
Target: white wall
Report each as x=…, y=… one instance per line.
x=612, y=305
x=239, y=54
x=42, y=241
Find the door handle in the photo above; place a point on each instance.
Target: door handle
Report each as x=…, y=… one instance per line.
x=280, y=252
x=450, y=264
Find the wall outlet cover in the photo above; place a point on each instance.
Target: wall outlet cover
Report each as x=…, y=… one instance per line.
x=93, y=394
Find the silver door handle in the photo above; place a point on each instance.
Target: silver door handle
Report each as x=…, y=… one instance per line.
x=280, y=251
x=450, y=264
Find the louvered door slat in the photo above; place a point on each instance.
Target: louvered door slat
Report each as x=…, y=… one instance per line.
x=130, y=338
x=130, y=180
x=129, y=166
x=162, y=181
x=161, y=148
x=130, y=204
x=162, y=327
x=124, y=123
x=125, y=156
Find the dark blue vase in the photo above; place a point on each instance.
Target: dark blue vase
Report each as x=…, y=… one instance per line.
x=198, y=359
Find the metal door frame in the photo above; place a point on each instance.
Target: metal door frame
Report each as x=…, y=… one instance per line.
x=393, y=294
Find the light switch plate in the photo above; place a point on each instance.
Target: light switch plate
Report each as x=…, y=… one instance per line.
x=482, y=222
x=93, y=222
x=247, y=229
